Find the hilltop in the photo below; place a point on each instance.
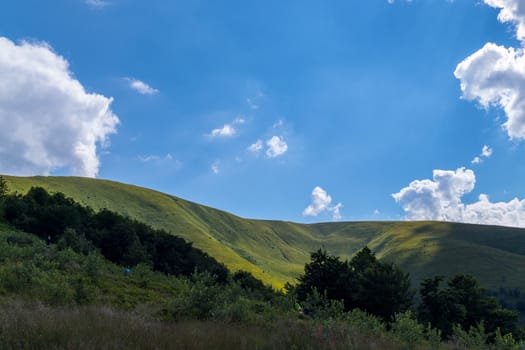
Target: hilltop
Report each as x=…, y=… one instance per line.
x=276, y=251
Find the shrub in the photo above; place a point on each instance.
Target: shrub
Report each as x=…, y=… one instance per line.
x=406, y=328
x=318, y=306
x=506, y=342
x=364, y=322
x=475, y=338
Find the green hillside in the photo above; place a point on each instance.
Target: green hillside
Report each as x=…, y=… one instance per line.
x=276, y=251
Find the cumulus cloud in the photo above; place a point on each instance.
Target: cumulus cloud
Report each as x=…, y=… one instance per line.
x=321, y=202
x=486, y=152
x=256, y=147
x=228, y=130
x=495, y=75
x=276, y=147
x=141, y=87
x=512, y=11
x=441, y=199
x=48, y=119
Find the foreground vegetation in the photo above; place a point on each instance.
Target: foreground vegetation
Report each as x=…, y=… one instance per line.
x=84, y=279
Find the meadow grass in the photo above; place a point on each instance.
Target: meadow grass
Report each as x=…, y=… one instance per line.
x=26, y=325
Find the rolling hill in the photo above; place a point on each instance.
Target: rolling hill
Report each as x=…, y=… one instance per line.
x=276, y=251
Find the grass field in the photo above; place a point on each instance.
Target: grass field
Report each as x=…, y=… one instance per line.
x=276, y=251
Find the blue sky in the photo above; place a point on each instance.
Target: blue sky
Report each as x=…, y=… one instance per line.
x=299, y=110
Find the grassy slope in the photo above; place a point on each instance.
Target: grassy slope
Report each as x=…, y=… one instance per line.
x=277, y=251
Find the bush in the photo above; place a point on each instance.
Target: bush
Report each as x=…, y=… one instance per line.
x=506, y=342
x=475, y=338
x=318, y=306
x=364, y=322
x=406, y=328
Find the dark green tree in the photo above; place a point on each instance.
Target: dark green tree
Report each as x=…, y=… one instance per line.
x=383, y=290
x=463, y=302
x=363, y=260
x=329, y=275
x=380, y=288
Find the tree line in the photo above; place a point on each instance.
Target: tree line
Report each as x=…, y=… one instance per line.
x=122, y=240
x=383, y=290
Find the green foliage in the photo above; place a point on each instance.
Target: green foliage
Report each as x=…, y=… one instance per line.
x=433, y=336
x=506, y=342
x=475, y=338
x=406, y=328
x=320, y=307
x=383, y=290
x=465, y=303
x=121, y=240
x=203, y=297
x=78, y=242
x=365, y=323
x=253, y=285
x=328, y=275
x=366, y=283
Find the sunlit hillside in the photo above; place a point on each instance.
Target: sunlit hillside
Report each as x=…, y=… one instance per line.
x=276, y=251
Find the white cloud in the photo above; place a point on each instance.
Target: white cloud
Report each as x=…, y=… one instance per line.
x=440, y=199
x=227, y=130
x=495, y=75
x=215, y=167
x=98, y=3
x=276, y=147
x=321, y=201
x=486, y=152
x=141, y=87
x=336, y=211
x=256, y=147
x=512, y=11
x=48, y=119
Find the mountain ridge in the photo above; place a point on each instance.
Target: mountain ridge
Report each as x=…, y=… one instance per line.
x=275, y=251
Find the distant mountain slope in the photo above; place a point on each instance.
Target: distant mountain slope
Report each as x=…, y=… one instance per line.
x=276, y=251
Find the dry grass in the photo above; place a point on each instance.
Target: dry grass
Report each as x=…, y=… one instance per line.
x=35, y=326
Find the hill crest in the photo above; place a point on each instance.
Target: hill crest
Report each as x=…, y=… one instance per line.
x=276, y=251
